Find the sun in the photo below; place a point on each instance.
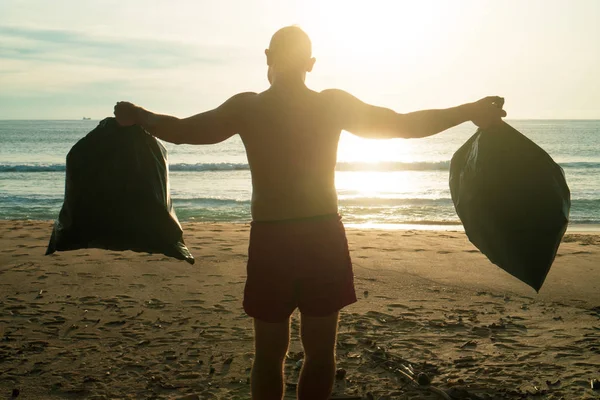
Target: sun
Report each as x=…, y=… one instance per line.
x=374, y=31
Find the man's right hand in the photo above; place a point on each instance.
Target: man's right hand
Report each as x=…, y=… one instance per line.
x=487, y=111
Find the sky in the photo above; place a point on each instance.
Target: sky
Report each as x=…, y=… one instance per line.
x=66, y=59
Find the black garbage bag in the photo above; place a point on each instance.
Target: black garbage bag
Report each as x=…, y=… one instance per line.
x=117, y=195
x=512, y=199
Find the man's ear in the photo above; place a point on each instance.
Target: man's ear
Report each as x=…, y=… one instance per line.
x=310, y=64
x=268, y=57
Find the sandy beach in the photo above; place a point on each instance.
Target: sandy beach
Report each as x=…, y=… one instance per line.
x=94, y=324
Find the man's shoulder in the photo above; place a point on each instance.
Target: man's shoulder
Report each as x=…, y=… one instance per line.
x=237, y=103
x=242, y=97
x=333, y=92
x=335, y=96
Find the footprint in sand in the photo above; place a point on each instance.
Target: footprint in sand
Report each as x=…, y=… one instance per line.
x=397, y=305
x=481, y=331
x=193, y=301
x=155, y=304
x=137, y=285
x=115, y=323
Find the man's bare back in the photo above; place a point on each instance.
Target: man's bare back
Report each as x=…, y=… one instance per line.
x=291, y=141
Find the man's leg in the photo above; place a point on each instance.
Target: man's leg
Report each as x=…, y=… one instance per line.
x=318, y=339
x=271, y=342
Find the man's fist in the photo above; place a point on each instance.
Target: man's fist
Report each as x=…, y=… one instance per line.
x=487, y=111
x=126, y=113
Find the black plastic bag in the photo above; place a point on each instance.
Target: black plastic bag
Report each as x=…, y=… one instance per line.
x=512, y=199
x=117, y=195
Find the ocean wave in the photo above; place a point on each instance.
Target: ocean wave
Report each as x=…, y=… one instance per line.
x=580, y=165
x=378, y=202
x=208, y=202
x=362, y=202
x=200, y=167
x=32, y=168
x=394, y=166
x=352, y=202
x=355, y=210
x=341, y=166
x=31, y=199
x=215, y=167
x=173, y=167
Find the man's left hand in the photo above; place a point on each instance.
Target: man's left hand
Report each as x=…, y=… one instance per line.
x=126, y=113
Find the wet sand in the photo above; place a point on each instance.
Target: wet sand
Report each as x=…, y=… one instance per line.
x=95, y=324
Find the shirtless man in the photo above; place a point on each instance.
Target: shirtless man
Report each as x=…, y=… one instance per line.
x=298, y=254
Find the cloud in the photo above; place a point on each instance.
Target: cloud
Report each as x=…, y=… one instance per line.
x=68, y=46
x=37, y=63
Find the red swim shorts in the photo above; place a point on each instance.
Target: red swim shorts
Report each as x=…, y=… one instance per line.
x=298, y=263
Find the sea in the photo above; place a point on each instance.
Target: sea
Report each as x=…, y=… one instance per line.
x=381, y=183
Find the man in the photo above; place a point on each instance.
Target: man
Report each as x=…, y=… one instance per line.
x=298, y=253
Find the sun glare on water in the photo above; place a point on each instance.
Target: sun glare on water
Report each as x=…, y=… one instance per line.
x=355, y=149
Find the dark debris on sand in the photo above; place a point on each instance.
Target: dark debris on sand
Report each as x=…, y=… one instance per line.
x=417, y=381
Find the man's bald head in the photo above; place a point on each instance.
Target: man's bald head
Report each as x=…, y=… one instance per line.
x=290, y=49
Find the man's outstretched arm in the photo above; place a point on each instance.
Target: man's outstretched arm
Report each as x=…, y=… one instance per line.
x=370, y=121
x=209, y=127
